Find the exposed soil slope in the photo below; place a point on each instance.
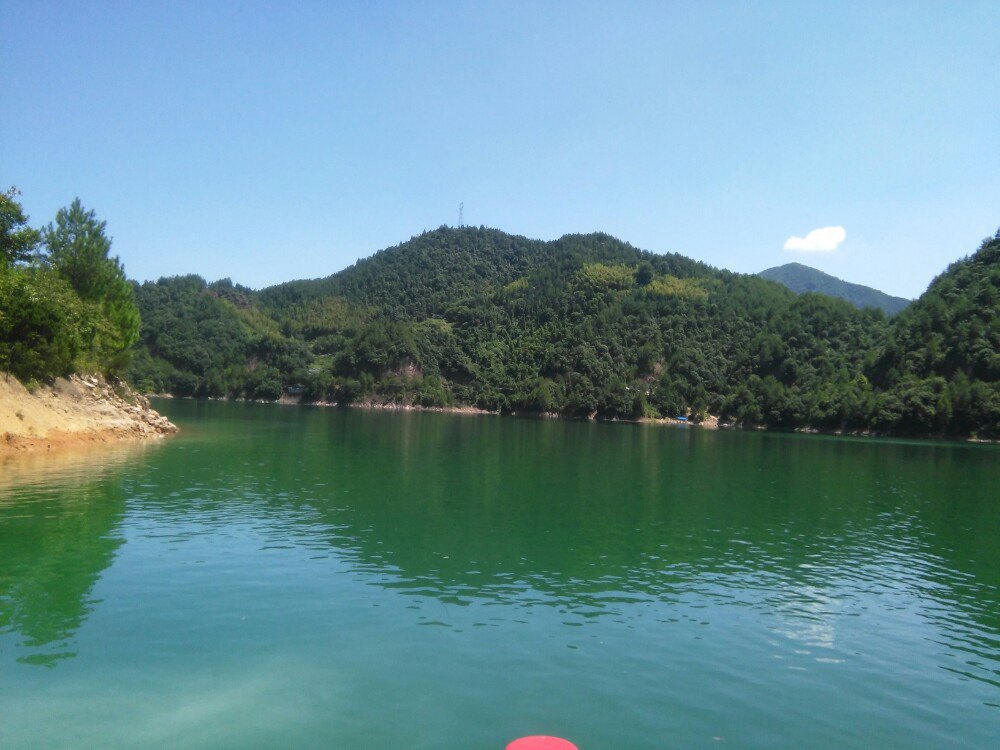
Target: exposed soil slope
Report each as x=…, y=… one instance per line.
x=73, y=411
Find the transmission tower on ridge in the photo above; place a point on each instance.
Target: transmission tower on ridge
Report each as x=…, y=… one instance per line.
x=461, y=211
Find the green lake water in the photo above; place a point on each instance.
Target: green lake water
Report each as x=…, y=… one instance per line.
x=283, y=577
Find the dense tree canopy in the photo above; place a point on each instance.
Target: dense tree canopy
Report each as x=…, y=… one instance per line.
x=17, y=239
x=67, y=308
x=77, y=249
x=582, y=325
x=43, y=324
x=940, y=367
x=203, y=340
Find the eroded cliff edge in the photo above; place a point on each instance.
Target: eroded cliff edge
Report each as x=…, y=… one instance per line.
x=76, y=410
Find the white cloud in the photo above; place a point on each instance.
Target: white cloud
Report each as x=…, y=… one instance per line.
x=823, y=240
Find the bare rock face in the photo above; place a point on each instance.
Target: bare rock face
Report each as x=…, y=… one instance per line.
x=78, y=409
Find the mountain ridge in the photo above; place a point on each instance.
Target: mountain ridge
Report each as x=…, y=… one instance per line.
x=801, y=278
x=581, y=325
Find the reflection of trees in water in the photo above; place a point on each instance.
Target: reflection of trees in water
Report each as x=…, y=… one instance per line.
x=59, y=522
x=488, y=507
x=596, y=518
x=593, y=518
x=590, y=518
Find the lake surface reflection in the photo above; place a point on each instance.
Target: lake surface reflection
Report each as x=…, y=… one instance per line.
x=297, y=577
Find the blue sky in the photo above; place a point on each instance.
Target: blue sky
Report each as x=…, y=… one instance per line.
x=271, y=141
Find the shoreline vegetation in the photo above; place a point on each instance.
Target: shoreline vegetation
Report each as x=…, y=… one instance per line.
x=710, y=422
x=68, y=325
x=580, y=326
x=475, y=320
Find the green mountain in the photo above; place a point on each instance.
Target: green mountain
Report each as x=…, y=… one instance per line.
x=940, y=365
x=800, y=279
x=582, y=325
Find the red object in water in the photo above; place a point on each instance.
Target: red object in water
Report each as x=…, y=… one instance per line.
x=541, y=742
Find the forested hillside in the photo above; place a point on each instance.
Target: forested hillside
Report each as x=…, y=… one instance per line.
x=940, y=366
x=800, y=279
x=584, y=325
x=203, y=339
x=580, y=326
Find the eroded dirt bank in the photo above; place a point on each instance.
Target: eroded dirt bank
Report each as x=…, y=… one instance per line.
x=73, y=411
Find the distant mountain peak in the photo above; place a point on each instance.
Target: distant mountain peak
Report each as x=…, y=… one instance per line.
x=800, y=279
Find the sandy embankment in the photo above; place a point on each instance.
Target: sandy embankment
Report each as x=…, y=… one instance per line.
x=73, y=411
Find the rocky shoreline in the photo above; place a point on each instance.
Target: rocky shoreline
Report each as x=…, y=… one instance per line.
x=78, y=410
x=710, y=422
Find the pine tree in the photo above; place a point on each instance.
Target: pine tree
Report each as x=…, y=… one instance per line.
x=78, y=251
x=17, y=239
